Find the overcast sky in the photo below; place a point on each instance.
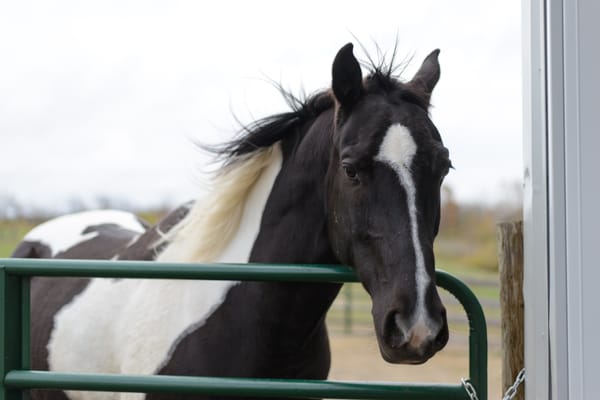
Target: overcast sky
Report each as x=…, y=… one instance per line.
x=106, y=98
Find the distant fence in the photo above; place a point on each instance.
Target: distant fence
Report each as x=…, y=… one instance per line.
x=351, y=312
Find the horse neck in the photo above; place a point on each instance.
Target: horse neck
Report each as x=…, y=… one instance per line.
x=294, y=222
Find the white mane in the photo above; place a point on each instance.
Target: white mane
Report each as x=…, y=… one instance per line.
x=213, y=221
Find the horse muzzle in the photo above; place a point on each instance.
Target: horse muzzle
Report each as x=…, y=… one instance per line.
x=403, y=341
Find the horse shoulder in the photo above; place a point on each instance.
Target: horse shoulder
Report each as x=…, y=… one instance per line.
x=158, y=315
x=83, y=335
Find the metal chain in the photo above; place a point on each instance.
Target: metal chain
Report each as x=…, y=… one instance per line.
x=511, y=392
x=470, y=389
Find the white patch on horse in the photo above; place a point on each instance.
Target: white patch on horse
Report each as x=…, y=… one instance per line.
x=100, y=330
x=398, y=150
x=62, y=233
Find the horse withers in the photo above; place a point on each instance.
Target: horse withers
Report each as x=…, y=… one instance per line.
x=350, y=175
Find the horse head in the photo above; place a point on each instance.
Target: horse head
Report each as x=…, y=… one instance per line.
x=383, y=201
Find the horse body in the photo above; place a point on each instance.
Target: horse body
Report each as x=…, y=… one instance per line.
x=350, y=176
x=109, y=230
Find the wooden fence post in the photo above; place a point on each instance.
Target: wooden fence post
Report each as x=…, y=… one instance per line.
x=510, y=259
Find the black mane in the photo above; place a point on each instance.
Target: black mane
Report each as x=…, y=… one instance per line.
x=269, y=130
x=382, y=78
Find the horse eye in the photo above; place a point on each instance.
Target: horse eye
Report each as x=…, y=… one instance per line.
x=350, y=172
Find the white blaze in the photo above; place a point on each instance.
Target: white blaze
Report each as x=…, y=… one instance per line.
x=397, y=151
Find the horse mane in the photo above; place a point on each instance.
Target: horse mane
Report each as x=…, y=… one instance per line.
x=384, y=77
x=212, y=222
x=267, y=131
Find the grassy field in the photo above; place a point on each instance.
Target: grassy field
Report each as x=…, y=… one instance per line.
x=11, y=233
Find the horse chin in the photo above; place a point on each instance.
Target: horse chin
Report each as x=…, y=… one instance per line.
x=396, y=359
x=399, y=356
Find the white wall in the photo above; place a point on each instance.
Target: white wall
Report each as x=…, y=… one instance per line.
x=562, y=98
x=582, y=194
x=535, y=285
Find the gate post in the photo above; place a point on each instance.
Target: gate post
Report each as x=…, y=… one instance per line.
x=14, y=304
x=510, y=259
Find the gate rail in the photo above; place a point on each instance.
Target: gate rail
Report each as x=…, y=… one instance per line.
x=16, y=376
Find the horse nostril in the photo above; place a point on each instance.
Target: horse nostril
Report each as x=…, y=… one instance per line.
x=443, y=335
x=440, y=339
x=394, y=334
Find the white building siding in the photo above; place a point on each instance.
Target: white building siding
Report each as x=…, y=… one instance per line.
x=567, y=34
x=582, y=166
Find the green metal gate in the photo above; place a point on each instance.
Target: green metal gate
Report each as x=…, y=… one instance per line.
x=16, y=376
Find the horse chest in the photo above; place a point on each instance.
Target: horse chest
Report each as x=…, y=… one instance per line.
x=251, y=335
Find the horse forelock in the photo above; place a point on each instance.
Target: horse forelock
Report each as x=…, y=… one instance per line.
x=385, y=75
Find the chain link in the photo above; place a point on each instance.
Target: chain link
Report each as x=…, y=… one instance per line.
x=511, y=392
x=470, y=389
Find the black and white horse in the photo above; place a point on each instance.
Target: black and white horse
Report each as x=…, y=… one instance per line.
x=352, y=175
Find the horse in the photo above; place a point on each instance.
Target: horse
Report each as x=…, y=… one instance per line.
x=349, y=175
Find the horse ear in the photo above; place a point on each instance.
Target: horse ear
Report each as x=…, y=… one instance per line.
x=428, y=75
x=346, y=77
